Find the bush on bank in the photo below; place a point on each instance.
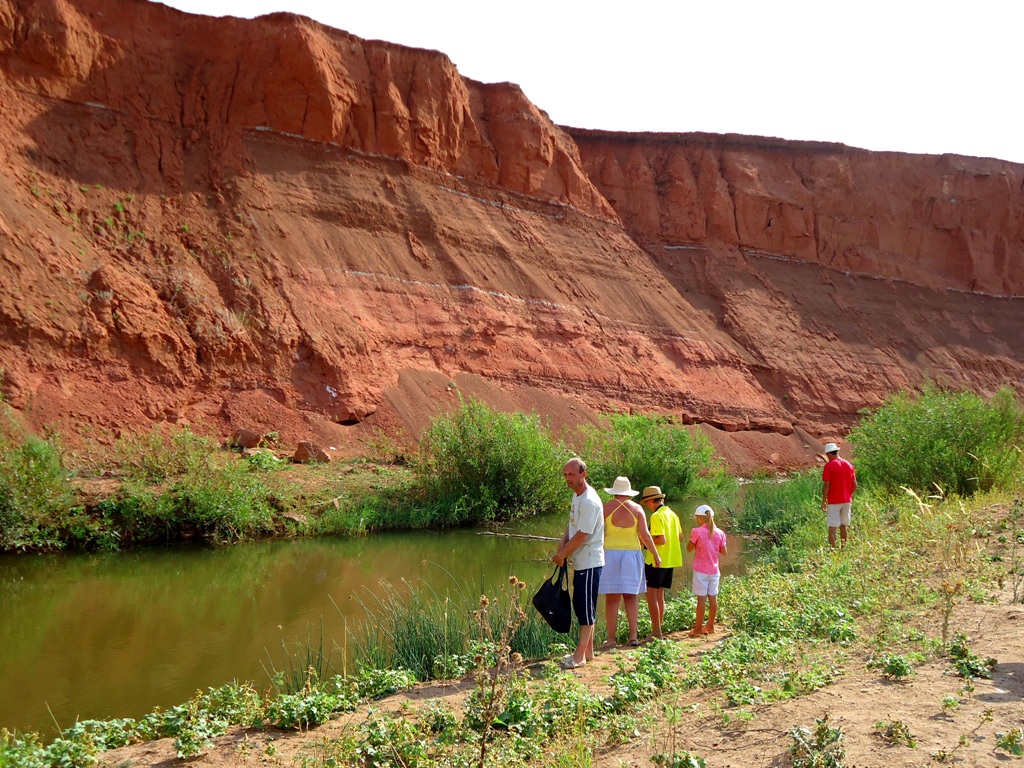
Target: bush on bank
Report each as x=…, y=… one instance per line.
x=479, y=465
x=951, y=441
x=36, y=500
x=651, y=450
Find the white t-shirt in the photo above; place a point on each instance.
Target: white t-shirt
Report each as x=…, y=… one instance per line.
x=587, y=515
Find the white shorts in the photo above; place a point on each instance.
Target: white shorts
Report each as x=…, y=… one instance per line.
x=705, y=584
x=838, y=514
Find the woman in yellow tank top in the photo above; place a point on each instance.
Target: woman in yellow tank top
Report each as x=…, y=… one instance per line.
x=622, y=580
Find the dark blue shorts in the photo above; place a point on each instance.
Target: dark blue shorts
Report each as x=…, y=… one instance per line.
x=658, y=578
x=584, y=595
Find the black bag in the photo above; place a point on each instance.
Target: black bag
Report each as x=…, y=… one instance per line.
x=552, y=600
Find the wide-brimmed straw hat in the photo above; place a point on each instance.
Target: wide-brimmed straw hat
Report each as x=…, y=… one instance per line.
x=651, y=492
x=621, y=487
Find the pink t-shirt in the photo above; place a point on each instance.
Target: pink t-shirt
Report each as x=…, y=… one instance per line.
x=840, y=477
x=705, y=554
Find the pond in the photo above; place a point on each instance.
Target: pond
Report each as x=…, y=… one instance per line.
x=99, y=636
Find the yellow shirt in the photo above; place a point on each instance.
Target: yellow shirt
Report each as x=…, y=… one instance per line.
x=665, y=522
x=620, y=538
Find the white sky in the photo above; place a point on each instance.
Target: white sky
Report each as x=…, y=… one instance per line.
x=905, y=75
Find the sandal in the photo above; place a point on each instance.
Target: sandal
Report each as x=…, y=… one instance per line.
x=571, y=663
x=633, y=643
x=607, y=645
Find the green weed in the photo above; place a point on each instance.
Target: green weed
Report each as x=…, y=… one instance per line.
x=895, y=732
x=822, y=748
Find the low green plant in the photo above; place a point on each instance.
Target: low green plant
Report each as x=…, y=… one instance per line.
x=391, y=741
x=894, y=666
x=821, y=748
x=298, y=711
x=895, y=732
x=967, y=664
x=1012, y=742
x=950, y=703
x=157, y=455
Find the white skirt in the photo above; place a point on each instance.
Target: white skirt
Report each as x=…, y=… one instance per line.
x=623, y=573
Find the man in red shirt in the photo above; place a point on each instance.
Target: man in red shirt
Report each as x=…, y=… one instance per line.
x=840, y=482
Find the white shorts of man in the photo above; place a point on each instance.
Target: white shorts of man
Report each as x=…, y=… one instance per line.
x=838, y=518
x=838, y=514
x=705, y=584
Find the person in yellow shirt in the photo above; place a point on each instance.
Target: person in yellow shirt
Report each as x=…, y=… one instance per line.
x=667, y=534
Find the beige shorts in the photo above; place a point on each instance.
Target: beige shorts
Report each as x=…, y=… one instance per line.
x=838, y=514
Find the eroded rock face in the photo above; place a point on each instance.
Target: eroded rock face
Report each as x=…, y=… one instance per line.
x=942, y=221
x=274, y=225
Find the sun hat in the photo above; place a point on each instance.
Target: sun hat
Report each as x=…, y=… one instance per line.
x=831, y=448
x=703, y=511
x=621, y=487
x=651, y=492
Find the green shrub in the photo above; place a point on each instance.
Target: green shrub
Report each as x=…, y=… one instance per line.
x=774, y=508
x=480, y=465
x=35, y=496
x=956, y=441
x=651, y=450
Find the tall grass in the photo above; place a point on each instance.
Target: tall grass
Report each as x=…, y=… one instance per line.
x=954, y=442
x=434, y=634
x=651, y=450
x=479, y=465
x=773, y=508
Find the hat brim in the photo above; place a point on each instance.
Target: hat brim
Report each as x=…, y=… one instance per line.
x=653, y=498
x=613, y=492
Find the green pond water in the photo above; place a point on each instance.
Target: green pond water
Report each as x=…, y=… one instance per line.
x=115, y=635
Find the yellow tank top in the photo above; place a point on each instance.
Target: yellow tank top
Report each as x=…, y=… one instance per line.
x=620, y=538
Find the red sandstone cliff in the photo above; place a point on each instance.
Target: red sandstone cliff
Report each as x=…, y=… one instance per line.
x=277, y=225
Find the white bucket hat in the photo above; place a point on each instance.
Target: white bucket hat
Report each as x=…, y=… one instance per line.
x=621, y=487
x=831, y=448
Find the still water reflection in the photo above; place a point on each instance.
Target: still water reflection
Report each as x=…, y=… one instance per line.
x=103, y=636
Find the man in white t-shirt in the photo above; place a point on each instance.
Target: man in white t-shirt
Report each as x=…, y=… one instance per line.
x=583, y=540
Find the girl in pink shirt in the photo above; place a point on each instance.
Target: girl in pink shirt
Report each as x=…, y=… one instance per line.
x=707, y=542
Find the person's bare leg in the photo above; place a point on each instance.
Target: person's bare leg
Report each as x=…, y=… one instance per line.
x=698, y=622
x=832, y=537
x=709, y=628
x=654, y=602
x=842, y=533
x=632, y=603
x=611, y=611
x=585, y=648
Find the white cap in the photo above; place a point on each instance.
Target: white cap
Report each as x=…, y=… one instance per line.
x=704, y=510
